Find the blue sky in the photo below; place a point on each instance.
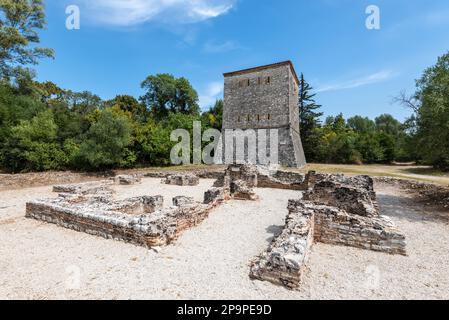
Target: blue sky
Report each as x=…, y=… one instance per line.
x=353, y=69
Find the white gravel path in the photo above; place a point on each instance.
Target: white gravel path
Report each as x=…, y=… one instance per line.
x=42, y=261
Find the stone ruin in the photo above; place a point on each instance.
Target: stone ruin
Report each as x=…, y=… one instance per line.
x=334, y=209
x=182, y=180
x=127, y=179
x=91, y=208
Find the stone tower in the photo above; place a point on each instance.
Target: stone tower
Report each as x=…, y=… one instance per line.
x=266, y=97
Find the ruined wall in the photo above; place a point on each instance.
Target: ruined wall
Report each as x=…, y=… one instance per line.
x=284, y=261
x=336, y=210
x=142, y=221
x=338, y=227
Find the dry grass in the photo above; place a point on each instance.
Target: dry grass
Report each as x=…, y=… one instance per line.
x=418, y=173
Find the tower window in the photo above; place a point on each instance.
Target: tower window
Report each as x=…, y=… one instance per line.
x=259, y=81
x=248, y=118
x=258, y=117
x=269, y=117
x=268, y=80
x=248, y=83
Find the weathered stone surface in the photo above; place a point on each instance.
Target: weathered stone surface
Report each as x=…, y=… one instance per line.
x=241, y=191
x=210, y=173
x=278, y=179
x=216, y=195
x=336, y=226
x=182, y=180
x=342, y=211
x=266, y=98
x=182, y=201
x=240, y=180
x=354, y=194
x=284, y=261
x=127, y=179
x=87, y=188
x=140, y=220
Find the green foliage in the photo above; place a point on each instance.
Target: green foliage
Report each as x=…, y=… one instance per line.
x=432, y=114
x=19, y=22
x=214, y=117
x=130, y=105
x=165, y=93
x=32, y=145
x=105, y=142
x=309, y=119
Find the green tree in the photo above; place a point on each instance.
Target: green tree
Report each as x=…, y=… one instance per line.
x=19, y=22
x=106, y=142
x=431, y=120
x=389, y=125
x=128, y=104
x=165, y=93
x=361, y=124
x=213, y=118
x=33, y=146
x=309, y=119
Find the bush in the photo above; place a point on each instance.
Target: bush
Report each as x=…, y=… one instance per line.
x=105, y=144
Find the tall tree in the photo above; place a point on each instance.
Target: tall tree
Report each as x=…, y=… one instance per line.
x=129, y=104
x=309, y=118
x=165, y=93
x=433, y=113
x=19, y=22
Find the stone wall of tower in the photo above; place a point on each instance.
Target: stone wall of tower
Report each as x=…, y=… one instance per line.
x=266, y=99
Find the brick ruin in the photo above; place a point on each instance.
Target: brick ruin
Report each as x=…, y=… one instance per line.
x=91, y=208
x=182, y=180
x=334, y=209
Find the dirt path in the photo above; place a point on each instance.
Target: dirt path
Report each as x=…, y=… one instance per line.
x=42, y=261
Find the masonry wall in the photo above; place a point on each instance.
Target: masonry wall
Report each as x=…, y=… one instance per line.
x=253, y=103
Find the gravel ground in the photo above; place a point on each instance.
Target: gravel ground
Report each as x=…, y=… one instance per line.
x=43, y=261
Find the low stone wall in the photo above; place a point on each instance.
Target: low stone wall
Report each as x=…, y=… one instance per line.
x=142, y=221
x=127, y=179
x=281, y=180
x=353, y=194
x=336, y=226
x=336, y=210
x=157, y=229
x=284, y=261
x=182, y=180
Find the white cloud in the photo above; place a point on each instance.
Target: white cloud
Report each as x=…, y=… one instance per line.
x=213, y=92
x=359, y=82
x=132, y=12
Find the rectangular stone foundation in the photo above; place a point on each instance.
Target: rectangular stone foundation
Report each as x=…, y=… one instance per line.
x=141, y=220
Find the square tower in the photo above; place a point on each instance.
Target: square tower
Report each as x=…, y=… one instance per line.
x=266, y=97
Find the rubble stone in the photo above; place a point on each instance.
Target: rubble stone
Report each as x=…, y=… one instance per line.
x=241, y=191
x=354, y=194
x=284, y=261
x=127, y=179
x=216, y=195
x=182, y=180
x=181, y=201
